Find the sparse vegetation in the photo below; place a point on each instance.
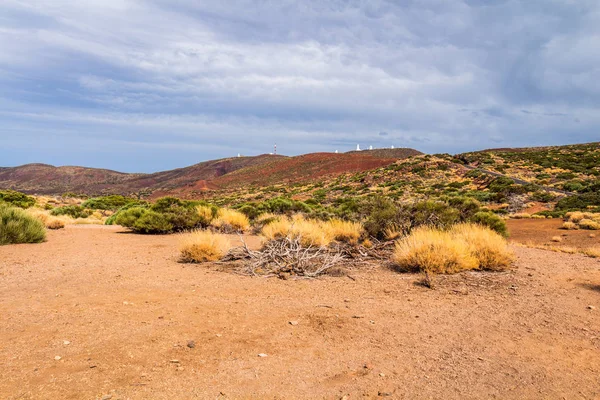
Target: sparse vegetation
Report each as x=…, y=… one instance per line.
x=112, y=203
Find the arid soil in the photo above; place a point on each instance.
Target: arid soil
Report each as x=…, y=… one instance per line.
x=96, y=313
x=541, y=232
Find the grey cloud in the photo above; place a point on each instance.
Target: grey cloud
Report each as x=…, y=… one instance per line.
x=311, y=75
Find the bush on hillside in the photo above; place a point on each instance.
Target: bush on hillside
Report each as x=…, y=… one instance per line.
x=72, y=211
x=112, y=203
x=16, y=199
x=490, y=220
x=17, y=226
x=579, y=202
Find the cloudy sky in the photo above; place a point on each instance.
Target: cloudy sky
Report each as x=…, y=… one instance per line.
x=147, y=85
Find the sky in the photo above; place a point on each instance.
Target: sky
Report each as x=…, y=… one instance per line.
x=144, y=86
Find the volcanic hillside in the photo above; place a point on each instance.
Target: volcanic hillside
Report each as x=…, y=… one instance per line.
x=216, y=174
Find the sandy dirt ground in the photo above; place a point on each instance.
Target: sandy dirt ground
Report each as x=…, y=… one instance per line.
x=95, y=313
x=541, y=232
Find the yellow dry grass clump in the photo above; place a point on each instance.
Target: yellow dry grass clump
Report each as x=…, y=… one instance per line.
x=488, y=247
x=570, y=225
x=582, y=220
x=431, y=250
x=313, y=232
x=231, y=219
x=49, y=221
x=206, y=214
x=592, y=252
x=589, y=224
x=465, y=247
x=343, y=231
x=202, y=246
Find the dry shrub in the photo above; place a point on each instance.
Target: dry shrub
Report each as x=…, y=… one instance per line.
x=563, y=249
x=589, y=224
x=343, y=231
x=570, y=225
x=202, y=246
x=55, y=223
x=556, y=239
x=267, y=218
x=206, y=215
x=48, y=220
x=521, y=216
x=313, y=232
x=488, y=247
x=392, y=233
x=310, y=233
x=433, y=251
x=465, y=247
x=575, y=216
x=231, y=220
x=592, y=252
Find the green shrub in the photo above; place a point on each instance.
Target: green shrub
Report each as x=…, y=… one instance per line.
x=16, y=226
x=111, y=220
x=16, y=199
x=490, y=220
x=579, y=202
x=152, y=222
x=165, y=216
x=72, y=211
x=112, y=203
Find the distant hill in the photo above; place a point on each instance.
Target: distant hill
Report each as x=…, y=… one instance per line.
x=209, y=175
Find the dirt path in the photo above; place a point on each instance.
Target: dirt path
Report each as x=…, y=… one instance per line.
x=128, y=310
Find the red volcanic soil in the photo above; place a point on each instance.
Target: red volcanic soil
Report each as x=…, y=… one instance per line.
x=225, y=173
x=47, y=179
x=309, y=167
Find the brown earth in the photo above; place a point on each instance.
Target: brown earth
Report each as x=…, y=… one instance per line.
x=541, y=231
x=127, y=310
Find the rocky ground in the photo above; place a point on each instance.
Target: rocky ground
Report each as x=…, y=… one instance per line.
x=95, y=313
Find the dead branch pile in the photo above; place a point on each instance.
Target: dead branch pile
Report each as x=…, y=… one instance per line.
x=286, y=257
x=360, y=253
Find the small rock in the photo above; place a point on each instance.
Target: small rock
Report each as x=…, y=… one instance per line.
x=294, y=323
x=385, y=393
x=180, y=368
x=174, y=361
x=191, y=344
x=591, y=307
x=262, y=355
x=219, y=335
x=66, y=342
x=372, y=322
x=107, y=397
x=57, y=358
x=382, y=374
x=368, y=365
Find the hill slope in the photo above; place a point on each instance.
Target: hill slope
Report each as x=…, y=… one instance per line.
x=573, y=168
x=215, y=174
